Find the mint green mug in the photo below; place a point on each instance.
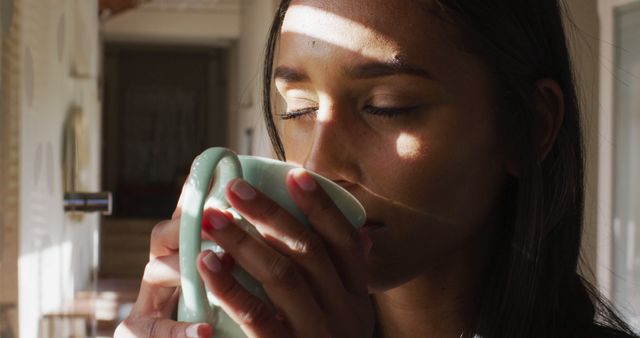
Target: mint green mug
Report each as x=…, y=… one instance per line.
x=268, y=176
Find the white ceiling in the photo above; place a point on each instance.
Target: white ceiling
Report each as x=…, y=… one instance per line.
x=198, y=22
x=193, y=5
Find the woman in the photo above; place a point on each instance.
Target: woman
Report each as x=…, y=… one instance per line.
x=456, y=124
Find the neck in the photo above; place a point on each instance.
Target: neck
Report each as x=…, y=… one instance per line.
x=439, y=303
x=409, y=311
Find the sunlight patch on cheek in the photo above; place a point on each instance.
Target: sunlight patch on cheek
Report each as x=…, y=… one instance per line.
x=408, y=146
x=303, y=20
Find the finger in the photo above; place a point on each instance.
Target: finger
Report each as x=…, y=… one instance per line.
x=156, y=299
x=163, y=271
x=253, y=316
x=161, y=328
x=289, y=237
x=278, y=274
x=178, y=211
x=343, y=240
x=165, y=238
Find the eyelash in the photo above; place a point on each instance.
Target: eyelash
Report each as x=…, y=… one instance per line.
x=296, y=114
x=389, y=112
x=376, y=111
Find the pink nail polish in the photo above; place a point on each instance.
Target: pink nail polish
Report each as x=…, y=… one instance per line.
x=304, y=180
x=192, y=331
x=198, y=331
x=243, y=190
x=206, y=224
x=218, y=220
x=211, y=261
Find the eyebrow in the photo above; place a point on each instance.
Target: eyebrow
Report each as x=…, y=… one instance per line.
x=289, y=74
x=360, y=71
x=378, y=69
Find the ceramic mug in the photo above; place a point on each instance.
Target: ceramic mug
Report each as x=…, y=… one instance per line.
x=214, y=168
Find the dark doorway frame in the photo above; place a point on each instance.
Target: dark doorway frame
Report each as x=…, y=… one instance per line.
x=212, y=125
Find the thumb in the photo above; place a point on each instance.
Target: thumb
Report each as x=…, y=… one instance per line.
x=161, y=328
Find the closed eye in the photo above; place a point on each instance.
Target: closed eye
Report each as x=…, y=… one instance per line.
x=389, y=111
x=298, y=113
x=369, y=109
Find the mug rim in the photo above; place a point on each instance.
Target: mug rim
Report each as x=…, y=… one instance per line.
x=350, y=197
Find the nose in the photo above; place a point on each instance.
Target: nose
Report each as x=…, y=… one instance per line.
x=333, y=152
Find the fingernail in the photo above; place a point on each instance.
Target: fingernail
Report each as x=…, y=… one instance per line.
x=304, y=180
x=211, y=261
x=243, y=190
x=194, y=330
x=206, y=224
x=216, y=220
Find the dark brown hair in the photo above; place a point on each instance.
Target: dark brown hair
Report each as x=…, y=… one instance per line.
x=532, y=288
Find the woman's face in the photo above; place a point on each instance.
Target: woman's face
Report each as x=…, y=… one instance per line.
x=381, y=99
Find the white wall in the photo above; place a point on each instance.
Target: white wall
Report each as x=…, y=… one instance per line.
x=56, y=38
x=247, y=108
x=621, y=116
x=584, y=33
x=9, y=154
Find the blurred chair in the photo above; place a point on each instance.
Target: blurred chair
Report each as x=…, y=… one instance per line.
x=7, y=311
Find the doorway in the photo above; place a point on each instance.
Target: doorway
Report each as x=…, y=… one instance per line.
x=163, y=105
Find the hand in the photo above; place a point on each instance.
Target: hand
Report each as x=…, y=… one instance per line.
x=158, y=297
x=315, y=277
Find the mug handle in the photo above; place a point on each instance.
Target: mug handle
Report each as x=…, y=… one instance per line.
x=193, y=305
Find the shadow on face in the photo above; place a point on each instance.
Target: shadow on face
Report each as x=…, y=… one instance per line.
x=382, y=100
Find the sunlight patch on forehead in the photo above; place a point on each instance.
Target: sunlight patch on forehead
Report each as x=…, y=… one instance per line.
x=334, y=29
x=408, y=146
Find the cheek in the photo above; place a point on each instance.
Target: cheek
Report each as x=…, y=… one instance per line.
x=409, y=147
x=297, y=139
x=451, y=172
x=464, y=176
x=443, y=198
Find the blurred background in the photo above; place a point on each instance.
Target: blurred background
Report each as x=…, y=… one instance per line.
x=104, y=104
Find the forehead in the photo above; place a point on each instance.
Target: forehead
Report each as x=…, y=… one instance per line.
x=369, y=12
x=371, y=29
